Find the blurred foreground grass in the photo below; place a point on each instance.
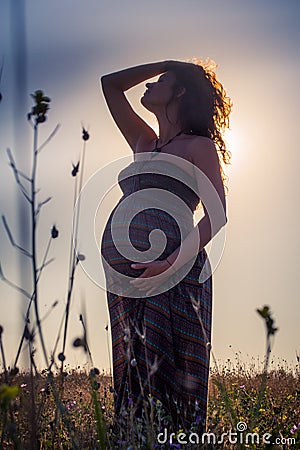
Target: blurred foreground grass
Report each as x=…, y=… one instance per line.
x=279, y=412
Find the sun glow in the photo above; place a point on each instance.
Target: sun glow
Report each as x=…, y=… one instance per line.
x=233, y=143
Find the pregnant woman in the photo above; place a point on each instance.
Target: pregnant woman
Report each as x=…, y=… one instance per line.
x=160, y=305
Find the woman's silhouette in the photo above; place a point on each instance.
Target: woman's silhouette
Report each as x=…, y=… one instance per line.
x=161, y=327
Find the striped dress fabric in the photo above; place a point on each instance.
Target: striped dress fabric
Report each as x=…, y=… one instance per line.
x=159, y=345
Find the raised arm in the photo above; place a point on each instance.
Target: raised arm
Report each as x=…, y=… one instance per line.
x=131, y=125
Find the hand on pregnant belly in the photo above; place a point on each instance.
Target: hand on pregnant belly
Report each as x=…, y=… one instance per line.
x=148, y=281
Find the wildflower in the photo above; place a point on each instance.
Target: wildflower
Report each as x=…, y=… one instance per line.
x=78, y=342
x=196, y=305
x=242, y=386
x=142, y=334
x=54, y=232
x=130, y=401
x=40, y=108
x=154, y=367
x=23, y=385
x=27, y=335
x=75, y=169
x=133, y=362
x=61, y=357
x=265, y=313
x=295, y=428
x=71, y=405
x=94, y=371
x=85, y=134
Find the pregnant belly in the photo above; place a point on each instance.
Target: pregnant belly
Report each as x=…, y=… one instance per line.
x=152, y=235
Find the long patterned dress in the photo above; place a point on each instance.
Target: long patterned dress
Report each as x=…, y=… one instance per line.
x=160, y=347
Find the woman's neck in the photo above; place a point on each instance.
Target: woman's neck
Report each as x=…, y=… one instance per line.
x=167, y=131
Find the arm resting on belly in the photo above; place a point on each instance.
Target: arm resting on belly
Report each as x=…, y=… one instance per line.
x=189, y=248
x=193, y=243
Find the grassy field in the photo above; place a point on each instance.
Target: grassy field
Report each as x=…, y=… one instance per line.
x=75, y=410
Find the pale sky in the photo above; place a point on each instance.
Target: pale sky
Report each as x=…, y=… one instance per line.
x=70, y=45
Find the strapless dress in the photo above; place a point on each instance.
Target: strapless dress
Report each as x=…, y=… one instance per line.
x=164, y=329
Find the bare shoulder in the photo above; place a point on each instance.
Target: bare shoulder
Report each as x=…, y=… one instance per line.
x=202, y=151
x=201, y=145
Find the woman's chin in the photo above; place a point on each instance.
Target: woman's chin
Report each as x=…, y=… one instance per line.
x=145, y=103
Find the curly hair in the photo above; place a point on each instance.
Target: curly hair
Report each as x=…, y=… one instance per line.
x=205, y=107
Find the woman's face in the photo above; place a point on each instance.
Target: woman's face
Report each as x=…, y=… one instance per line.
x=159, y=93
